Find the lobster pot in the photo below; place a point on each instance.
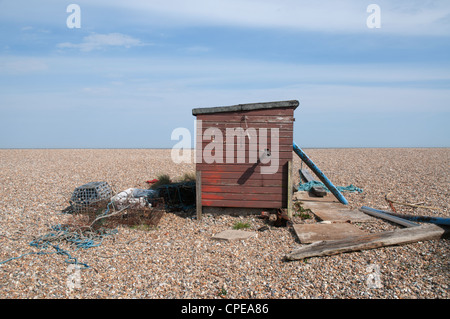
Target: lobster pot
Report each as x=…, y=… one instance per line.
x=90, y=196
x=244, y=155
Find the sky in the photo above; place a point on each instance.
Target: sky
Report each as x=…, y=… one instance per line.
x=126, y=74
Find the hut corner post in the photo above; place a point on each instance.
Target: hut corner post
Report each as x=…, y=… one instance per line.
x=198, y=193
x=289, y=191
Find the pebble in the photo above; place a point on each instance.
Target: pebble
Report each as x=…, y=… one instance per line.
x=179, y=258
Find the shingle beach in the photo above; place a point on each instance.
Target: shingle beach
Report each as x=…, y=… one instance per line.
x=180, y=259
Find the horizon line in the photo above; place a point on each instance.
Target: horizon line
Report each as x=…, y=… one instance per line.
x=169, y=148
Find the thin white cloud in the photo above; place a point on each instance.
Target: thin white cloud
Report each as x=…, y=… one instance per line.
x=197, y=49
x=97, y=41
x=397, y=17
x=223, y=72
x=21, y=65
x=404, y=17
x=200, y=81
x=97, y=90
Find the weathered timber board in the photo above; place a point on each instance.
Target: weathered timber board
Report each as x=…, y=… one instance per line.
x=223, y=125
x=237, y=167
x=242, y=177
x=336, y=212
x=244, y=189
x=283, y=135
x=249, y=118
x=309, y=233
x=242, y=196
x=328, y=208
x=241, y=157
x=248, y=107
x=198, y=194
x=244, y=203
x=234, y=182
x=369, y=241
x=286, y=111
x=306, y=197
x=316, y=190
x=252, y=146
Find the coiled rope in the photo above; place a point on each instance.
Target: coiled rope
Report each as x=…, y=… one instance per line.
x=307, y=186
x=60, y=233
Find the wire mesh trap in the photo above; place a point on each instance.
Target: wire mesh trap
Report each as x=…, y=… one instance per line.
x=90, y=196
x=178, y=196
x=93, y=205
x=95, y=214
x=136, y=213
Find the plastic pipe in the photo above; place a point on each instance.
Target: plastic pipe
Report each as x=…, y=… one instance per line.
x=381, y=214
x=424, y=219
x=319, y=174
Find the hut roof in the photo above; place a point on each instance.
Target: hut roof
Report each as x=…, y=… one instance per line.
x=246, y=107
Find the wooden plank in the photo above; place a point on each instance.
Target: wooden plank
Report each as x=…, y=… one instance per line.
x=250, y=118
x=328, y=208
x=288, y=134
x=323, y=205
x=242, y=179
x=245, y=159
x=198, y=193
x=283, y=140
x=316, y=190
x=274, y=111
x=335, y=212
x=247, y=107
x=344, y=215
x=369, y=241
x=242, y=115
x=254, y=146
x=307, y=175
x=233, y=182
x=395, y=219
x=248, y=182
x=241, y=176
x=223, y=125
x=243, y=189
x=244, y=204
x=307, y=197
x=242, y=196
x=422, y=219
x=309, y=233
x=235, y=167
x=248, y=135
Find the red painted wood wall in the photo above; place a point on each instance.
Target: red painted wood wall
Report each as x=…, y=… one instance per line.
x=242, y=184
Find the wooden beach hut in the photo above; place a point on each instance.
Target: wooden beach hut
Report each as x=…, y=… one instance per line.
x=244, y=156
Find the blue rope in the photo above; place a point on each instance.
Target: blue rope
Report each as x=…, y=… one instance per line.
x=307, y=186
x=73, y=238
